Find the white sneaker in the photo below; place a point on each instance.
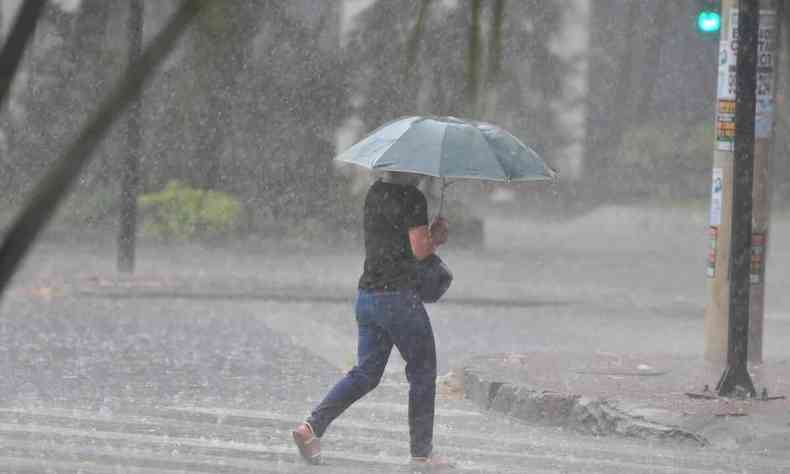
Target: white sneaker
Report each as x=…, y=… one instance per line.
x=432, y=462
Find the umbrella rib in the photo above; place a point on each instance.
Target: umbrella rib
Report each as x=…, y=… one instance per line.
x=549, y=173
x=507, y=173
x=373, y=163
x=404, y=137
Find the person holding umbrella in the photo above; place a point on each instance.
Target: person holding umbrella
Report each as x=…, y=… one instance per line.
x=401, y=271
x=389, y=312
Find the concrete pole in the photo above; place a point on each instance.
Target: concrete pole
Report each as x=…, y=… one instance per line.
x=717, y=317
x=718, y=286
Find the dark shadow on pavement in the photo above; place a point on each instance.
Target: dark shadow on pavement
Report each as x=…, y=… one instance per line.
x=302, y=298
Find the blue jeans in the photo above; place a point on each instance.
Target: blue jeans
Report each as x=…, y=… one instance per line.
x=385, y=319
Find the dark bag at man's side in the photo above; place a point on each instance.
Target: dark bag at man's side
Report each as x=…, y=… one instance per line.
x=433, y=278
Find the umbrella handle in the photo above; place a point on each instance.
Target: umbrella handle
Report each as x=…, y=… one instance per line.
x=441, y=200
x=445, y=184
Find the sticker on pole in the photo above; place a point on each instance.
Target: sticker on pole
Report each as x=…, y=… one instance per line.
x=713, y=235
x=725, y=124
x=717, y=189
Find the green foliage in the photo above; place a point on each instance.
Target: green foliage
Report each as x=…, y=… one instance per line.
x=180, y=212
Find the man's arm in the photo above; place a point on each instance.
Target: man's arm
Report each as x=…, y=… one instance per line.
x=424, y=241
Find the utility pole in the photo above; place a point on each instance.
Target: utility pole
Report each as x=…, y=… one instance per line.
x=718, y=326
x=767, y=67
x=736, y=374
x=130, y=174
x=732, y=196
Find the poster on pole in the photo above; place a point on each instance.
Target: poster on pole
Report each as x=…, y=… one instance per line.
x=728, y=59
x=766, y=62
x=725, y=92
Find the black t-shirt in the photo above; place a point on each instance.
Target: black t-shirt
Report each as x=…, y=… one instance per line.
x=390, y=211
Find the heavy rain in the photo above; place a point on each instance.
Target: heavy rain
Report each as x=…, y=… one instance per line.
x=189, y=238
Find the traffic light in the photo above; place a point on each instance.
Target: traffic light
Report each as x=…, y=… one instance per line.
x=708, y=21
x=707, y=16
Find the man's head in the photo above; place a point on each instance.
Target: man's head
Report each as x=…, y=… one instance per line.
x=402, y=178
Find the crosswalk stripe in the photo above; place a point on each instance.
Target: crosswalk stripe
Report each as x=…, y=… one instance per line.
x=402, y=408
x=554, y=459
x=219, y=416
x=219, y=425
x=387, y=407
x=20, y=465
x=276, y=452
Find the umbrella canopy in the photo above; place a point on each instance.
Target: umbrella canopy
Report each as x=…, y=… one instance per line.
x=447, y=147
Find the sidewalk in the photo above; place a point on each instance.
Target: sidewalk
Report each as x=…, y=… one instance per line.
x=643, y=396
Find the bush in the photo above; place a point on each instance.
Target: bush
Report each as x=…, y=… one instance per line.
x=180, y=212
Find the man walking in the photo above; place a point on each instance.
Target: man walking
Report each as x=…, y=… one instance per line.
x=389, y=312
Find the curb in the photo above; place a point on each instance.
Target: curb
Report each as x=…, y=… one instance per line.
x=582, y=414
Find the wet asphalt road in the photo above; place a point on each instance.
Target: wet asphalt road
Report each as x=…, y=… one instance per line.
x=97, y=385
x=144, y=375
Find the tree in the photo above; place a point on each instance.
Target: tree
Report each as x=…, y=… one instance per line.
x=639, y=67
x=638, y=57
x=443, y=50
x=252, y=107
x=67, y=62
x=220, y=44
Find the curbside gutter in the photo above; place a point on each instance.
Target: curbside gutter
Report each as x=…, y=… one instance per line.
x=582, y=414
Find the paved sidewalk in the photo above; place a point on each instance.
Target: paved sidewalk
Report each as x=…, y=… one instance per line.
x=643, y=396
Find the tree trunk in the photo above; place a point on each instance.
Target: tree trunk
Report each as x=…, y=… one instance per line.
x=495, y=59
x=130, y=173
x=624, y=94
x=654, y=37
x=414, y=40
x=473, y=62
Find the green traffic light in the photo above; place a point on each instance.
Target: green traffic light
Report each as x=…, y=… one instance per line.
x=708, y=21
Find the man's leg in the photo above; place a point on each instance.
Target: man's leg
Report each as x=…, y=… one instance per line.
x=412, y=334
x=373, y=352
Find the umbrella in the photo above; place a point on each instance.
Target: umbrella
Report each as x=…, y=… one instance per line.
x=447, y=147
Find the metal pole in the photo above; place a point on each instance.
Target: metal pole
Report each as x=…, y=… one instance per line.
x=767, y=66
x=130, y=173
x=736, y=374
